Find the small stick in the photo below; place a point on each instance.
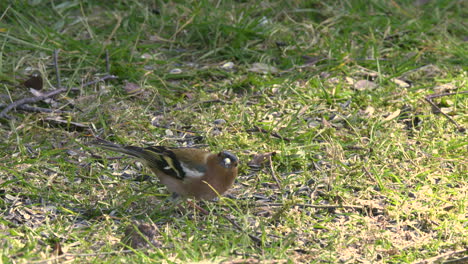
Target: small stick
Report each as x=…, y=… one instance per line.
x=255, y=239
x=444, y=94
x=273, y=174
x=107, y=62
x=442, y=258
x=195, y=206
x=429, y=100
x=49, y=260
x=202, y=102
x=358, y=207
x=30, y=108
x=30, y=100
x=103, y=78
x=274, y=134
x=57, y=72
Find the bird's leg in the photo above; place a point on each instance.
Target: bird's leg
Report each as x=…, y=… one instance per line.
x=172, y=201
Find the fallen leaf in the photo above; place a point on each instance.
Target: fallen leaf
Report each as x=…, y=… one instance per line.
x=227, y=66
x=132, y=88
x=57, y=249
x=445, y=88
x=241, y=261
x=141, y=235
x=175, y=71
x=34, y=81
x=446, y=110
x=263, y=68
x=157, y=38
x=363, y=85
x=219, y=122
x=259, y=159
x=400, y=83
x=369, y=111
x=70, y=125
x=393, y=115
x=350, y=80
x=50, y=101
x=188, y=95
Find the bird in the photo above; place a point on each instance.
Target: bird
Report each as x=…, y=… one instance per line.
x=186, y=172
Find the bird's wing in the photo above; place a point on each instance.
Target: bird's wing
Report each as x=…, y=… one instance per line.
x=165, y=160
x=192, y=161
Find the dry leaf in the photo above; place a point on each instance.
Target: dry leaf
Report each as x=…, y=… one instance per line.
x=445, y=88
x=241, y=261
x=157, y=38
x=393, y=115
x=175, y=71
x=369, y=111
x=57, y=120
x=400, y=83
x=34, y=81
x=188, y=95
x=50, y=101
x=259, y=159
x=132, y=88
x=446, y=110
x=219, y=122
x=325, y=123
x=350, y=80
x=227, y=66
x=263, y=68
x=57, y=249
x=333, y=80
x=362, y=85
x=142, y=235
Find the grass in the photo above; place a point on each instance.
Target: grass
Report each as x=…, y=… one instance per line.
x=377, y=147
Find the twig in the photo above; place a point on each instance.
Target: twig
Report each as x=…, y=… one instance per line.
x=274, y=134
x=103, y=78
x=255, y=239
x=107, y=62
x=444, y=94
x=429, y=100
x=202, y=102
x=195, y=206
x=444, y=256
x=30, y=108
x=49, y=260
x=57, y=72
x=329, y=206
x=178, y=130
x=30, y=100
x=462, y=260
x=273, y=174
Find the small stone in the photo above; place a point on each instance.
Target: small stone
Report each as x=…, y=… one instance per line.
x=146, y=56
x=219, y=122
x=169, y=133
x=175, y=71
x=228, y=65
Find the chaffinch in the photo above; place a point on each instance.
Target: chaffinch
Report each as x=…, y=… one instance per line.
x=187, y=172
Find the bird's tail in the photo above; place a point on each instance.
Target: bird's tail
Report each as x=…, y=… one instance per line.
x=129, y=150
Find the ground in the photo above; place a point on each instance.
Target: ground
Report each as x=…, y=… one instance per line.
x=348, y=118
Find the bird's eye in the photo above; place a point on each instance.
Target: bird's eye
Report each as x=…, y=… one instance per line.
x=227, y=159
